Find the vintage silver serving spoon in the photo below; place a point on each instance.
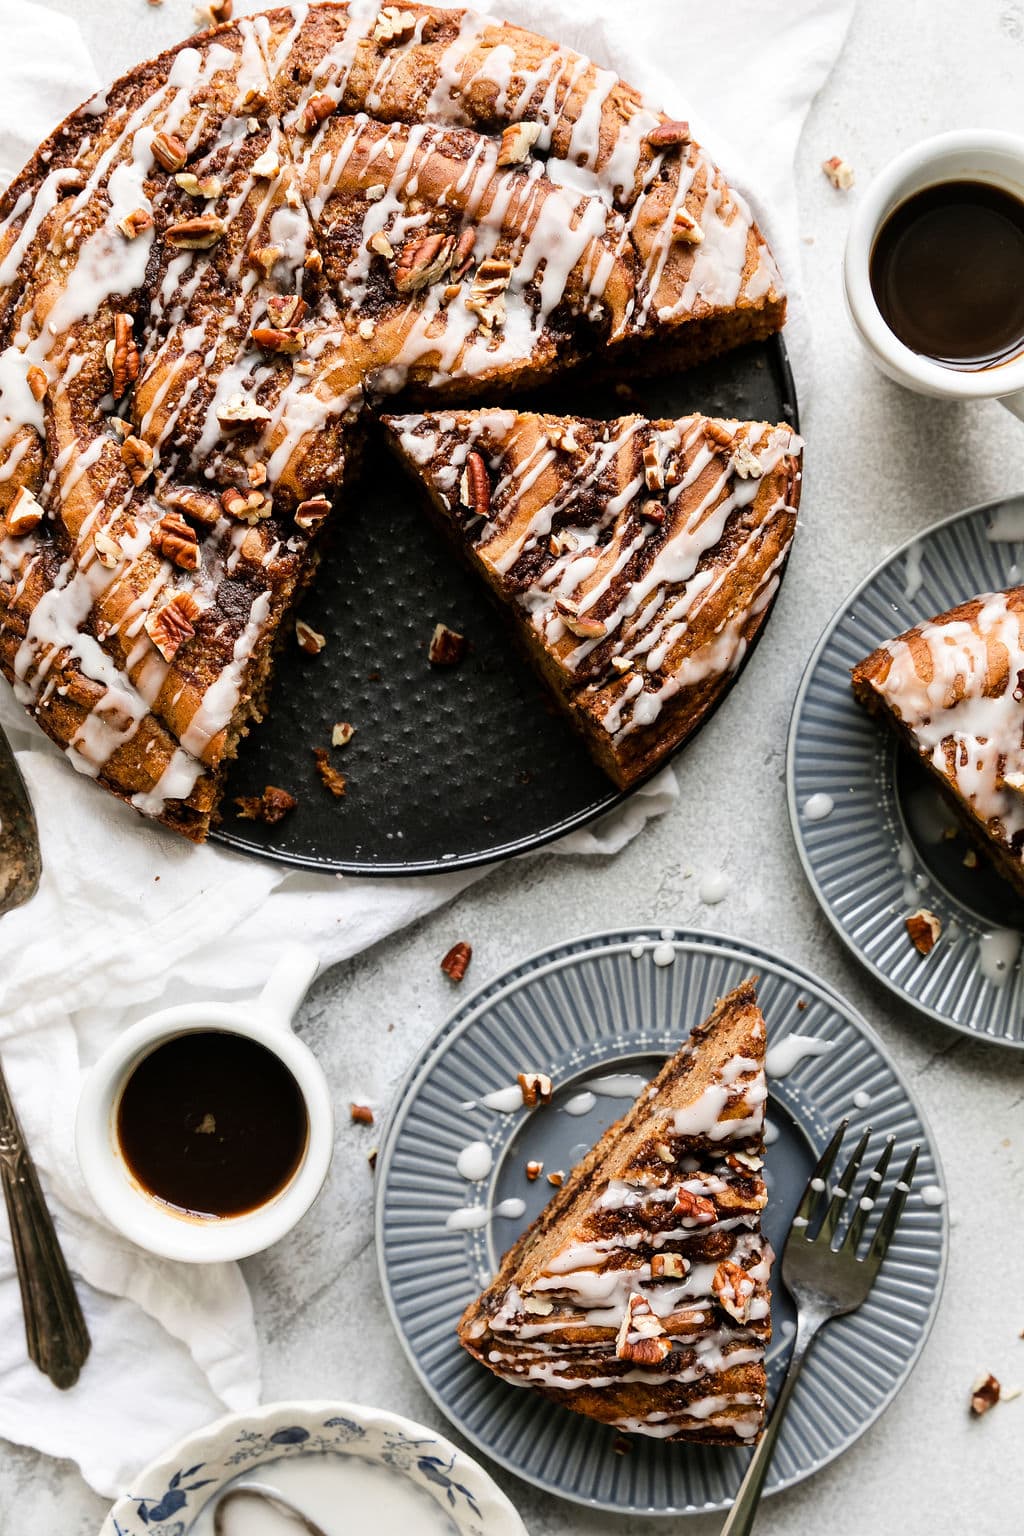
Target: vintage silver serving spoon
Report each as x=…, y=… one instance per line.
x=265, y=1495
x=55, y=1331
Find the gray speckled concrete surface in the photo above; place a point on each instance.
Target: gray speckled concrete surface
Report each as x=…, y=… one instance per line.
x=881, y=466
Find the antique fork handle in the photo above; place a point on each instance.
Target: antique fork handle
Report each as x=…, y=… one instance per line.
x=55, y=1331
x=740, y=1520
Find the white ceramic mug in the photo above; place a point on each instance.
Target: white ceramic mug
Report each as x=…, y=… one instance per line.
x=996, y=158
x=151, y=1223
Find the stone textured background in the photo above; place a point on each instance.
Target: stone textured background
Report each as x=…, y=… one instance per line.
x=881, y=466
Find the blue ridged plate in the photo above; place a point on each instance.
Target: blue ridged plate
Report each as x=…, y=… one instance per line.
x=619, y=1003
x=890, y=846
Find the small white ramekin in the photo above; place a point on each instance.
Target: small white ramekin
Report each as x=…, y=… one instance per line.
x=149, y=1222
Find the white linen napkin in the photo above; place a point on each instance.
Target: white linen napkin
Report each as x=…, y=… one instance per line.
x=131, y=912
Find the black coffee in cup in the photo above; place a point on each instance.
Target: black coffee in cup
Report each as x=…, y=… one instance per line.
x=947, y=274
x=212, y=1123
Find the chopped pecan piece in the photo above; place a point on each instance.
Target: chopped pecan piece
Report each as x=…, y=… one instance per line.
x=362, y=1114
x=266, y=257
x=196, y=234
x=201, y=506
x=135, y=223
x=463, y=256
x=169, y=151
x=561, y=436
x=733, y=1289
x=286, y=309
x=310, y=640
x=839, y=172
x=331, y=778
x=108, y=551
x=173, y=625
x=668, y=134
x=538, y=1306
x=316, y=111
x=641, y=1338
x=456, y=961
x=37, y=382
x=924, y=928
x=124, y=359
x=516, y=142
x=557, y=1178
x=537, y=1088
x=423, y=262
x=586, y=628
x=654, y=477
x=534, y=1170
x=267, y=166
x=719, y=433
x=686, y=229
x=475, y=484
x=242, y=411
x=248, y=507
x=693, y=1207
x=269, y=807
x=654, y=512
x=310, y=514
x=137, y=457
x=342, y=733
x=24, y=513
x=487, y=293
x=380, y=245
x=176, y=540
x=199, y=186
x=746, y=463
x=447, y=646
x=985, y=1394
x=668, y=1266
x=393, y=24
x=279, y=338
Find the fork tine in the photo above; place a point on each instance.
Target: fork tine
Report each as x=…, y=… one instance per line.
x=855, y=1230
x=892, y=1213
x=811, y=1196
x=843, y=1190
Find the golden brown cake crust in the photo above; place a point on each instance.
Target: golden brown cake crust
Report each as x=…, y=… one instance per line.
x=638, y=559
x=205, y=269
x=674, y=1185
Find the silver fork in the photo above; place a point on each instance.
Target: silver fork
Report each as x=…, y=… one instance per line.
x=825, y=1282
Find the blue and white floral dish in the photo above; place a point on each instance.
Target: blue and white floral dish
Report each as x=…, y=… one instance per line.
x=170, y=1494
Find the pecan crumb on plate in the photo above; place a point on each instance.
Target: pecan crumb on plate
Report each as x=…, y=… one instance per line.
x=268, y=807
x=924, y=928
x=362, y=1114
x=447, y=646
x=332, y=779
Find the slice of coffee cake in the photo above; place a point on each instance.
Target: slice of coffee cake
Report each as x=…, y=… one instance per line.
x=639, y=1296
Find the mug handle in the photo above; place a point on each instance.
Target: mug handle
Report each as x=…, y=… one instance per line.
x=1014, y=403
x=288, y=984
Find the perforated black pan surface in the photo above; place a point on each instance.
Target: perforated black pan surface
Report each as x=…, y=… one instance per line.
x=456, y=766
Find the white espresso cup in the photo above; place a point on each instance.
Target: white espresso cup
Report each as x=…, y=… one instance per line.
x=149, y=1221
x=977, y=155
